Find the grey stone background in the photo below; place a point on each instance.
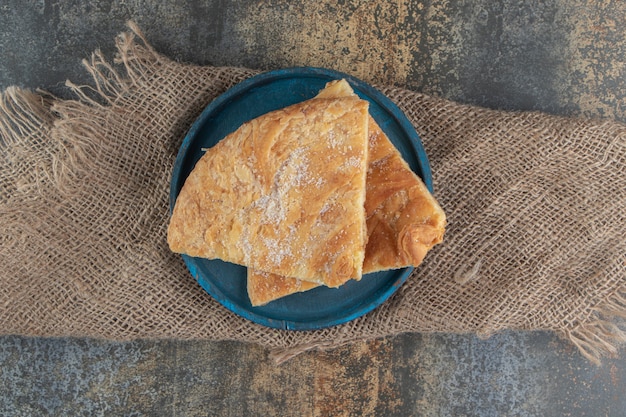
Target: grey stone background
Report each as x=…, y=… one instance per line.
x=561, y=57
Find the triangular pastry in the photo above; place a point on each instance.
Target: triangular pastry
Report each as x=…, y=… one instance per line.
x=284, y=194
x=404, y=221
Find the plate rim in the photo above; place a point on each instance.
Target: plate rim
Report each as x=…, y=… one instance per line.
x=265, y=77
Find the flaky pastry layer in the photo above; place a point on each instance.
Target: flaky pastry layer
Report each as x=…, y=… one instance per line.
x=282, y=194
x=404, y=221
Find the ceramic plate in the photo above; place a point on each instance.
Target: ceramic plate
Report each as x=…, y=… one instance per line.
x=321, y=307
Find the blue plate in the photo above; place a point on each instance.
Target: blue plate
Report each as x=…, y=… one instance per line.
x=321, y=307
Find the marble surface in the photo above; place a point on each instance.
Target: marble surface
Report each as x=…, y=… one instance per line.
x=561, y=57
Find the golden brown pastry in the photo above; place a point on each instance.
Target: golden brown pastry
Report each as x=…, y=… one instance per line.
x=404, y=221
x=264, y=287
x=284, y=194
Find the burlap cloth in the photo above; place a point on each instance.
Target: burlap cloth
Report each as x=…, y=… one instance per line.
x=535, y=203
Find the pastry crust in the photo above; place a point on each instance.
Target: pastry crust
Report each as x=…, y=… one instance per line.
x=264, y=287
x=283, y=194
x=404, y=221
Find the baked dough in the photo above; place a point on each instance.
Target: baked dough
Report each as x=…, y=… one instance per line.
x=264, y=287
x=283, y=194
x=404, y=221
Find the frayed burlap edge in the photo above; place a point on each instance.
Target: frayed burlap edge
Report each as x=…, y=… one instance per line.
x=601, y=336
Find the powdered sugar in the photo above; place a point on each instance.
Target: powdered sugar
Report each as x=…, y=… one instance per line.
x=352, y=163
x=273, y=209
x=333, y=140
x=293, y=173
x=277, y=250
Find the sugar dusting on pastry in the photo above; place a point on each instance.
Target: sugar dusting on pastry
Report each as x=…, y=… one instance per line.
x=288, y=195
x=255, y=197
x=404, y=220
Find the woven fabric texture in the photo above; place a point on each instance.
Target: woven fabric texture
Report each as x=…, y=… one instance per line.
x=535, y=203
